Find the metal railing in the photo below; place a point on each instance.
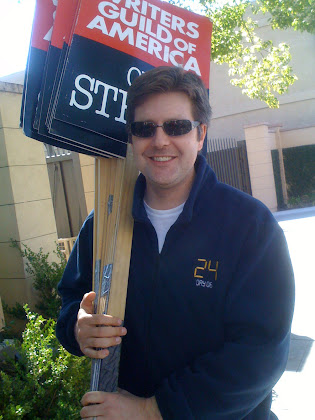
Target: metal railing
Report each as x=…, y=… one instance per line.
x=66, y=245
x=228, y=159
x=53, y=151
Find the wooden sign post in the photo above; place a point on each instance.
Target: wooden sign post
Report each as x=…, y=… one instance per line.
x=113, y=226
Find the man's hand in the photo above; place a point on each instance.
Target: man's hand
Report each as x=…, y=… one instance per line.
x=96, y=331
x=120, y=405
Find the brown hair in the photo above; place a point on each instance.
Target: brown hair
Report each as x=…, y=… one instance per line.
x=169, y=79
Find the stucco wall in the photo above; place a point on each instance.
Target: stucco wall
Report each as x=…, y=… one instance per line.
x=26, y=209
x=298, y=137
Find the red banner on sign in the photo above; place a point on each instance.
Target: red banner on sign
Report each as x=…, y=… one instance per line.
x=155, y=32
x=43, y=23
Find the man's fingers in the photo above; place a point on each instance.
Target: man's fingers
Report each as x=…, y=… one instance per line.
x=87, y=302
x=93, y=404
x=93, y=397
x=105, y=332
x=102, y=332
x=91, y=411
x=95, y=354
x=90, y=345
x=98, y=319
x=102, y=342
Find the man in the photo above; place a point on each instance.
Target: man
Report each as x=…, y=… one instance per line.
x=210, y=293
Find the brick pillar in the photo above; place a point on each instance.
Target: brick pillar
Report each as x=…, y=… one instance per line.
x=259, y=142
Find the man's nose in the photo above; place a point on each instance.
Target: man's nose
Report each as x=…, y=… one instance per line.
x=160, y=138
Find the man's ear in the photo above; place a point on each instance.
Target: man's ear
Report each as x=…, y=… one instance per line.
x=202, y=136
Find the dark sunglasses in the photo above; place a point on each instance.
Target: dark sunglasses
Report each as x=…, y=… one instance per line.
x=171, y=128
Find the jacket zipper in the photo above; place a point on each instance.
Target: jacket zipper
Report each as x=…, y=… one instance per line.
x=148, y=360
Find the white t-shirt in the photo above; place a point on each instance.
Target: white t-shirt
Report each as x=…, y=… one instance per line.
x=162, y=220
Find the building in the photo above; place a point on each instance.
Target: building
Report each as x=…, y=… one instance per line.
x=264, y=129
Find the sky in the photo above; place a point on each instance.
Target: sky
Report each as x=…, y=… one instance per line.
x=16, y=18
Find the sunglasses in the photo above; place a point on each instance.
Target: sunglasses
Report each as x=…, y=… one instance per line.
x=171, y=128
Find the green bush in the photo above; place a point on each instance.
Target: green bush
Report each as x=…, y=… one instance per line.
x=17, y=311
x=16, y=315
x=300, y=173
x=43, y=381
x=303, y=201
x=46, y=276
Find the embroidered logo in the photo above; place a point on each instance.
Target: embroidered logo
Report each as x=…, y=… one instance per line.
x=205, y=272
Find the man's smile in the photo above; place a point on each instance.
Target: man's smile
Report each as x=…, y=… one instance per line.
x=161, y=158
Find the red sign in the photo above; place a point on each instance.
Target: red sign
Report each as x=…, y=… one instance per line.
x=64, y=22
x=155, y=32
x=43, y=23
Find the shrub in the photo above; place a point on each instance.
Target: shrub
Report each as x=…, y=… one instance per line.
x=303, y=201
x=14, y=327
x=46, y=278
x=43, y=381
x=17, y=311
x=300, y=172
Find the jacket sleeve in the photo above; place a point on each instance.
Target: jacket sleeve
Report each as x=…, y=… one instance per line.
x=230, y=383
x=75, y=282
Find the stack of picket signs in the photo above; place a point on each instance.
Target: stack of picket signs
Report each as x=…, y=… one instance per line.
x=83, y=56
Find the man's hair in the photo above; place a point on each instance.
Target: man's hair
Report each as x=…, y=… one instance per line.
x=169, y=79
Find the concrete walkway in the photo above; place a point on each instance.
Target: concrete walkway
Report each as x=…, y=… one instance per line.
x=294, y=394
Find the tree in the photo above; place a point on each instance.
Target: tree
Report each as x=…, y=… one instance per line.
x=298, y=14
x=261, y=69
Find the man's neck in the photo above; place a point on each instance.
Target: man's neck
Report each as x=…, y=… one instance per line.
x=163, y=201
x=168, y=198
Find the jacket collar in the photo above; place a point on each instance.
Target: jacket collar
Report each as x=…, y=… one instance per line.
x=203, y=171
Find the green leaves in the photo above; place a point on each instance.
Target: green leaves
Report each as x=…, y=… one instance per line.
x=262, y=71
x=46, y=276
x=46, y=381
x=296, y=14
x=258, y=67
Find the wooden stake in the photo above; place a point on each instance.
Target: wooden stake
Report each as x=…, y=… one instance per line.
x=118, y=292
x=113, y=227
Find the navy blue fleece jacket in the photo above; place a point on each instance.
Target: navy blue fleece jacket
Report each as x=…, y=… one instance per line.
x=208, y=318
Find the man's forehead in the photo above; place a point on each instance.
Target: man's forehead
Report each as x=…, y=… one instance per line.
x=172, y=104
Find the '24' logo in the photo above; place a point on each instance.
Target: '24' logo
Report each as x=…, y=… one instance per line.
x=201, y=270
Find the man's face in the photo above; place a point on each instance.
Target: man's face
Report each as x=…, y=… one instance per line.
x=167, y=162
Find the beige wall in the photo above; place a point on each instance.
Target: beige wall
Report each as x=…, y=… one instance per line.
x=87, y=170
x=26, y=210
x=298, y=137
